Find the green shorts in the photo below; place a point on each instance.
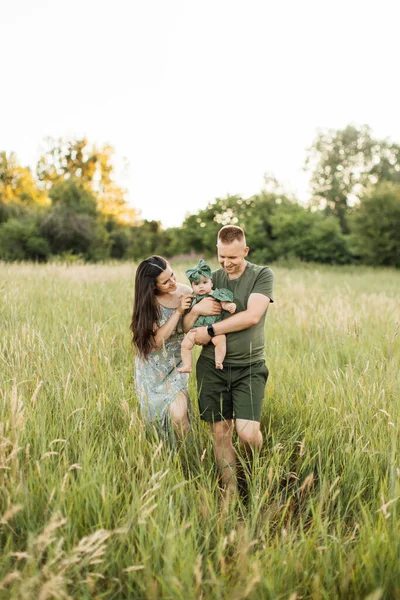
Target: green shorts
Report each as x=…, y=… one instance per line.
x=233, y=392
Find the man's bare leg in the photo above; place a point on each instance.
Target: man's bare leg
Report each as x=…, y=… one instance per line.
x=179, y=415
x=222, y=432
x=251, y=439
x=186, y=352
x=219, y=342
x=249, y=434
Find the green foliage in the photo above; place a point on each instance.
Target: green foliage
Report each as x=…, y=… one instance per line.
x=376, y=226
x=327, y=243
x=119, y=238
x=199, y=232
x=71, y=225
x=21, y=240
x=275, y=227
x=308, y=235
x=11, y=210
x=67, y=230
x=344, y=162
x=100, y=246
x=89, y=216
x=149, y=238
x=93, y=167
x=258, y=226
x=4, y=212
x=72, y=194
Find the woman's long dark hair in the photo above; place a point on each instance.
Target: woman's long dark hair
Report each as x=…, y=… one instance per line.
x=146, y=310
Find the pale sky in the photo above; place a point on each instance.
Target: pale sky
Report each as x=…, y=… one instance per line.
x=202, y=98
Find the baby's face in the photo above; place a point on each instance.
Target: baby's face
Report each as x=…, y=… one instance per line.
x=204, y=286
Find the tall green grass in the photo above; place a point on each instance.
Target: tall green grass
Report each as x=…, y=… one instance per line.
x=92, y=506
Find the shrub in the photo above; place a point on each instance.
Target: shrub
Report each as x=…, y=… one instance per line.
x=376, y=225
x=21, y=240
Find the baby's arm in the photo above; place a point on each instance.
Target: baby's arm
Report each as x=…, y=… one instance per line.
x=229, y=306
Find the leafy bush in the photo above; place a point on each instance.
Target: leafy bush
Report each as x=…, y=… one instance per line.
x=72, y=194
x=67, y=230
x=21, y=240
x=376, y=226
x=310, y=236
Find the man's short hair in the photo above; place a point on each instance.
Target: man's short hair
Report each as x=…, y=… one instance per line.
x=230, y=233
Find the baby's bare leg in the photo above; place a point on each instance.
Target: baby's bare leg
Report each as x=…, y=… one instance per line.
x=219, y=342
x=186, y=352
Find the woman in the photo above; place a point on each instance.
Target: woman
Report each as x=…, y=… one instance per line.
x=157, y=332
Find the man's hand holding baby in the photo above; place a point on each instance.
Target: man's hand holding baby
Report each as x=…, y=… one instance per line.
x=207, y=307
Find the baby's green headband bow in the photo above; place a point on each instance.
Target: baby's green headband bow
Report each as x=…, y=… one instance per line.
x=202, y=269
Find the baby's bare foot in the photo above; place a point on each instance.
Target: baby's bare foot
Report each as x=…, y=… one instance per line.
x=184, y=369
x=219, y=365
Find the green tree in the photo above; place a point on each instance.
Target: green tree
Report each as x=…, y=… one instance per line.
x=71, y=225
x=21, y=240
x=93, y=166
x=199, y=231
x=65, y=158
x=344, y=162
x=119, y=237
x=258, y=226
x=308, y=235
x=275, y=225
x=68, y=231
x=144, y=240
x=376, y=226
x=73, y=195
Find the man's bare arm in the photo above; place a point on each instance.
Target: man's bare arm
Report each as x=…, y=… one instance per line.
x=257, y=306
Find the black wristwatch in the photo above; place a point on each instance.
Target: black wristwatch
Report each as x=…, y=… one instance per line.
x=210, y=331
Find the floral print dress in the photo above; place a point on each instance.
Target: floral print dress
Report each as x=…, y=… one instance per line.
x=157, y=381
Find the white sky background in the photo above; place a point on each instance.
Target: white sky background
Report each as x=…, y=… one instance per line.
x=202, y=98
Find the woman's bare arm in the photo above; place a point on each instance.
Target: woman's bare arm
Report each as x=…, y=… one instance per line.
x=164, y=332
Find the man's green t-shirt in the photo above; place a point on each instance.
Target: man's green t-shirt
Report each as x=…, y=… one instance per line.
x=246, y=346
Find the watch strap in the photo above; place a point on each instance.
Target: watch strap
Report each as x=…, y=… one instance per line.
x=210, y=331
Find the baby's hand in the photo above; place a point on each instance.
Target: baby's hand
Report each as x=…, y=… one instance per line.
x=230, y=307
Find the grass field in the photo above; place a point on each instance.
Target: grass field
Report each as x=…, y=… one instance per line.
x=92, y=508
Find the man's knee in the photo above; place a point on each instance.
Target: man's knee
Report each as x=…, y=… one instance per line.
x=249, y=433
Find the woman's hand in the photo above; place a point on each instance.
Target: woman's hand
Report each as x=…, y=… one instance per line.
x=185, y=300
x=207, y=307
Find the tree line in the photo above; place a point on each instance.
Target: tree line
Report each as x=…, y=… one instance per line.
x=73, y=208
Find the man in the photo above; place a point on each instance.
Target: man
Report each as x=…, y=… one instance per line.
x=238, y=390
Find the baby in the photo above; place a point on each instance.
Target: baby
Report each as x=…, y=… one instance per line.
x=200, y=278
